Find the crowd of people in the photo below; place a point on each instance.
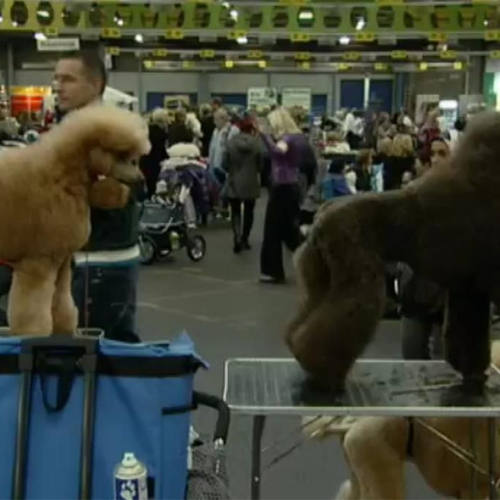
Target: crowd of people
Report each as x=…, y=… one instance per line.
x=303, y=167
x=242, y=153
x=226, y=159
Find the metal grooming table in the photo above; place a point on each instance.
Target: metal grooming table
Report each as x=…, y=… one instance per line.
x=272, y=387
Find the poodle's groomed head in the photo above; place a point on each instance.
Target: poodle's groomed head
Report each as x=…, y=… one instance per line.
x=108, y=140
x=478, y=152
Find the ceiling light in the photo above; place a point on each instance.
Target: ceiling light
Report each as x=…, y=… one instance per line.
x=233, y=14
x=306, y=15
x=242, y=40
x=344, y=40
x=139, y=38
x=43, y=13
x=1, y=18
x=486, y=22
x=119, y=21
x=226, y=5
x=360, y=24
x=40, y=36
x=15, y=24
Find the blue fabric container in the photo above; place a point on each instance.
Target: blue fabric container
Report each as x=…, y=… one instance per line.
x=143, y=401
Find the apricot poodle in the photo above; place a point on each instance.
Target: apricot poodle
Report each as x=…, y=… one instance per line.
x=446, y=226
x=46, y=189
x=451, y=453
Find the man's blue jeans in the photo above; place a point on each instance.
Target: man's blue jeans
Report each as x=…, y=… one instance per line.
x=111, y=299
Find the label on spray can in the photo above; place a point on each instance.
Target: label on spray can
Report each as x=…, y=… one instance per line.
x=131, y=479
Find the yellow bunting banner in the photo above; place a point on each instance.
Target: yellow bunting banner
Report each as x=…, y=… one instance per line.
x=351, y=56
x=111, y=33
x=492, y=36
x=448, y=54
x=302, y=56
x=113, y=51
x=399, y=54
x=160, y=53
x=51, y=31
x=255, y=54
x=300, y=37
x=207, y=54
x=174, y=34
x=437, y=37
x=381, y=67
x=234, y=35
x=364, y=37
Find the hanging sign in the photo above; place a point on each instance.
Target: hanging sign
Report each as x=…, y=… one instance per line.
x=262, y=96
x=296, y=97
x=58, y=44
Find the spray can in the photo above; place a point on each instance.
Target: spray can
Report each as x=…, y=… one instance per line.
x=131, y=479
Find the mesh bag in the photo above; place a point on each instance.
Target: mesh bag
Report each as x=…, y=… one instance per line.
x=208, y=478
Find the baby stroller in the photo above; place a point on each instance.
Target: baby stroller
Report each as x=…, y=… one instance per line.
x=163, y=230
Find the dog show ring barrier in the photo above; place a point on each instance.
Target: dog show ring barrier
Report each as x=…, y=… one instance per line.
x=268, y=387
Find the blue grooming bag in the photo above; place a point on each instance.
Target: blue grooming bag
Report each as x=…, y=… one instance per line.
x=71, y=408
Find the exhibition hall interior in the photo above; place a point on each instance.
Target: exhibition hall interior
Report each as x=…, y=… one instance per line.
x=248, y=249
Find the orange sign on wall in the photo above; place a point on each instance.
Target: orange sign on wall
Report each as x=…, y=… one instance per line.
x=27, y=99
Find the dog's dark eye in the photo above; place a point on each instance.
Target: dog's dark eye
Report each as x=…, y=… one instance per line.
x=123, y=156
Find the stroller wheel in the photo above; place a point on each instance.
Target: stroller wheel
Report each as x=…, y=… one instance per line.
x=148, y=249
x=196, y=247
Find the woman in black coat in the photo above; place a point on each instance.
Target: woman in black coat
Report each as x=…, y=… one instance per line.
x=151, y=163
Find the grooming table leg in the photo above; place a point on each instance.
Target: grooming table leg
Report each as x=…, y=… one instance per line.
x=258, y=429
x=492, y=458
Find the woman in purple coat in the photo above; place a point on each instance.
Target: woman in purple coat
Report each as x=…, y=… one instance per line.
x=287, y=147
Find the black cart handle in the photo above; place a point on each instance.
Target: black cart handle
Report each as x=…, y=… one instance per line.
x=224, y=414
x=60, y=343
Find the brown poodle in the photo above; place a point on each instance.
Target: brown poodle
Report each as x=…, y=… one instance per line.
x=446, y=226
x=443, y=449
x=46, y=191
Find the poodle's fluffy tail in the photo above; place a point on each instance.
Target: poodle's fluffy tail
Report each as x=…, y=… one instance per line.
x=344, y=301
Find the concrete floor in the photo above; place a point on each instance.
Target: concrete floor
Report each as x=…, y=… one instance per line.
x=228, y=314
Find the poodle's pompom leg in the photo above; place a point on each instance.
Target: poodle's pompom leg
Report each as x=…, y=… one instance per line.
x=342, y=309
x=314, y=277
x=64, y=312
x=375, y=448
x=467, y=333
x=30, y=298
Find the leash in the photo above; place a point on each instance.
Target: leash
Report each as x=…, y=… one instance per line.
x=86, y=287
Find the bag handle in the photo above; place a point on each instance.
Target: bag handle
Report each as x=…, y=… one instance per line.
x=65, y=368
x=63, y=356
